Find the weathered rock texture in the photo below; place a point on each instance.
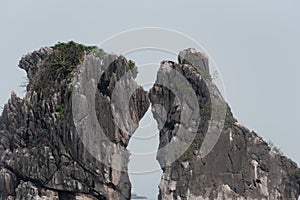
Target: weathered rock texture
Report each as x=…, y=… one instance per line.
x=240, y=166
x=42, y=157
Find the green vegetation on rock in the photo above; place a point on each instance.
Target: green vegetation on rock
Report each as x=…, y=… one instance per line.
x=295, y=174
x=132, y=66
x=206, y=112
x=65, y=58
x=169, y=124
x=60, y=110
x=63, y=61
x=70, y=90
x=204, y=74
x=196, y=145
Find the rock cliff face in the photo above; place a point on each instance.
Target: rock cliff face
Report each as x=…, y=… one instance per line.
x=240, y=166
x=43, y=156
x=51, y=147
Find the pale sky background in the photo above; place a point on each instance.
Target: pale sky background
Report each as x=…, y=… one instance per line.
x=255, y=45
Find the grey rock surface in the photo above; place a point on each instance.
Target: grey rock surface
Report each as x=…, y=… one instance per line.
x=194, y=58
x=240, y=166
x=42, y=156
x=45, y=156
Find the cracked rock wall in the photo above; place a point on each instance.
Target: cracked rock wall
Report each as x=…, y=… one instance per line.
x=240, y=166
x=42, y=156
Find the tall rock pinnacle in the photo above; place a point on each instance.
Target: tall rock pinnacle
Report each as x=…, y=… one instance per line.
x=43, y=154
x=241, y=165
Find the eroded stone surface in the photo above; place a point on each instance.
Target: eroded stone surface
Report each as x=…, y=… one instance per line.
x=240, y=166
x=42, y=155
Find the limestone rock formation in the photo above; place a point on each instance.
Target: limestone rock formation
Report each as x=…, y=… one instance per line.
x=196, y=59
x=240, y=166
x=42, y=156
x=51, y=147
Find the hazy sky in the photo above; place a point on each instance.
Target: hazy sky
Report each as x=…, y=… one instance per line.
x=255, y=45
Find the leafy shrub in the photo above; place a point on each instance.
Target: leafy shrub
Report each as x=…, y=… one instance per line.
x=60, y=110
x=70, y=90
x=64, y=59
x=132, y=66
